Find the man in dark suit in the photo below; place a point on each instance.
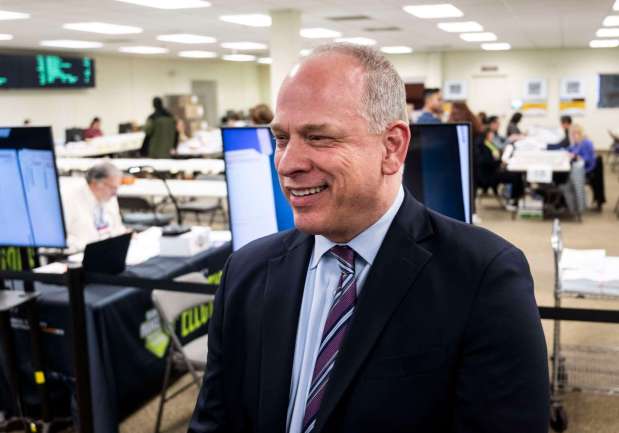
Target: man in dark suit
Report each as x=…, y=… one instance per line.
x=375, y=314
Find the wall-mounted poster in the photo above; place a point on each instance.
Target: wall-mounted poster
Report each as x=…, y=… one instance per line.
x=572, y=97
x=535, y=97
x=535, y=89
x=454, y=90
x=572, y=88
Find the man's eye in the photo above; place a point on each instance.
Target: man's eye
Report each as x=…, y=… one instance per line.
x=316, y=137
x=281, y=141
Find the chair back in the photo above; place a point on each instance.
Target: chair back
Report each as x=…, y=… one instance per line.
x=171, y=304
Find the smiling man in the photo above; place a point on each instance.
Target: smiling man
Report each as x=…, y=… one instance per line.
x=374, y=314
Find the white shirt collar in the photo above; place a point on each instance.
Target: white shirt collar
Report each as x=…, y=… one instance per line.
x=366, y=243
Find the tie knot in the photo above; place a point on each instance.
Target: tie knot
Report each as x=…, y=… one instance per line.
x=345, y=257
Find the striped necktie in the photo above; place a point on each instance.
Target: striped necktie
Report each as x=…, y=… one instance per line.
x=334, y=332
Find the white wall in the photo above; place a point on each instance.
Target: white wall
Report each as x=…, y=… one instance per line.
x=124, y=89
x=507, y=82
x=126, y=85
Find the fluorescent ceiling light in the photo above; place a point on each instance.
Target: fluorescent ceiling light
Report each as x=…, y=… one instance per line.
x=443, y=10
x=5, y=37
x=169, y=4
x=197, y=54
x=397, y=50
x=185, y=38
x=7, y=15
x=611, y=21
x=239, y=57
x=319, y=33
x=143, y=50
x=305, y=52
x=265, y=60
x=67, y=43
x=478, y=37
x=604, y=43
x=496, y=46
x=243, y=46
x=357, y=41
x=252, y=20
x=103, y=28
x=461, y=27
x=607, y=33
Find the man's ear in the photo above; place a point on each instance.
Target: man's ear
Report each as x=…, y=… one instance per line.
x=395, y=139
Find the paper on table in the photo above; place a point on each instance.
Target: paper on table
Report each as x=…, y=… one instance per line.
x=143, y=246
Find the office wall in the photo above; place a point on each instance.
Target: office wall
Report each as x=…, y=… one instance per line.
x=494, y=91
x=124, y=89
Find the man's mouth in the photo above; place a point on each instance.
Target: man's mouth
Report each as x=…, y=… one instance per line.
x=303, y=192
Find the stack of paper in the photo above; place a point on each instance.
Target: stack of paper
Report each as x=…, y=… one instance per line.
x=589, y=272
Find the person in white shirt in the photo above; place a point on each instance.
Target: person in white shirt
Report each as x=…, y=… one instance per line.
x=91, y=209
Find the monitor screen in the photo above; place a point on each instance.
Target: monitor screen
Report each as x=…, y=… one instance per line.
x=438, y=168
x=31, y=210
x=256, y=203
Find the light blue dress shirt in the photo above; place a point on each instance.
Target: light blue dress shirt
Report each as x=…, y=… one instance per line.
x=321, y=282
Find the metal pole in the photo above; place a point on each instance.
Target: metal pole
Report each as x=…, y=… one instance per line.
x=76, y=285
x=38, y=362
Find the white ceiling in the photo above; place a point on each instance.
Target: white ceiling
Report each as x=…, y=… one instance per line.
x=522, y=23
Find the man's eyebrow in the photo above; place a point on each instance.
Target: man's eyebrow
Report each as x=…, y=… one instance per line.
x=313, y=127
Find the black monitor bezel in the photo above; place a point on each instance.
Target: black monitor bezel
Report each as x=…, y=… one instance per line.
x=471, y=145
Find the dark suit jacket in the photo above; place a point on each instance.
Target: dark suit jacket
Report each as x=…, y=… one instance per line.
x=446, y=337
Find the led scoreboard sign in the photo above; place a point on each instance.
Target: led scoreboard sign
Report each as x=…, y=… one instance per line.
x=45, y=71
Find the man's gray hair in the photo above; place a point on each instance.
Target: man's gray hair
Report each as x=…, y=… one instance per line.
x=102, y=170
x=385, y=96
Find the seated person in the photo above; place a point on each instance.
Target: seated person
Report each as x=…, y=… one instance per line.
x=494, y=124
x=94, y=130
x=90, y=208
x=513, y=130
x=491, y=171
x=582, y=148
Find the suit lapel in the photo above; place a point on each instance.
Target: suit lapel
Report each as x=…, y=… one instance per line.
x=399, y=261
x=282, y=302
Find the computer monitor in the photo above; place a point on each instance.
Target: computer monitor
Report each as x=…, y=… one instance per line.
x=256, y=204
x=438, y=168
x=72, y=135
x=30, y=206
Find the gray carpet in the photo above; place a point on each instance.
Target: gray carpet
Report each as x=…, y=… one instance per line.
x=587, y=412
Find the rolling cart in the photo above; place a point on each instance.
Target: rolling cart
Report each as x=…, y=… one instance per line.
x=585, y=368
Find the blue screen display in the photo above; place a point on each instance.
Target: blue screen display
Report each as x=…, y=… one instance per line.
x=31, y=210
x=256, y=203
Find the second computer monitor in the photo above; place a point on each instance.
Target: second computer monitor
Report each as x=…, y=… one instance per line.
x=256, y=203
x=438, y=168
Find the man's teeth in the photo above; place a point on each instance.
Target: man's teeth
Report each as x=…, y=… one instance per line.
x=307, y=191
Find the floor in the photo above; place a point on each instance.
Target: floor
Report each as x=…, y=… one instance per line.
x=586, y=412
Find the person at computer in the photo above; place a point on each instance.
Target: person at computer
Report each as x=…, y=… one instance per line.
x=375, y=314
x=90, y=207
x=94, y=130
x=432, y=106
x=161, y=134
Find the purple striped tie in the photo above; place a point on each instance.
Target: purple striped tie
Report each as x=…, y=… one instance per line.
x=335, y=329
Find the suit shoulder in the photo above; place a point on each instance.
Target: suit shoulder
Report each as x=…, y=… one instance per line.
x=478, y=242
x=260, y=251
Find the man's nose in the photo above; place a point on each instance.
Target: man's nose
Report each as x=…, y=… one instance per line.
x=293, y=159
